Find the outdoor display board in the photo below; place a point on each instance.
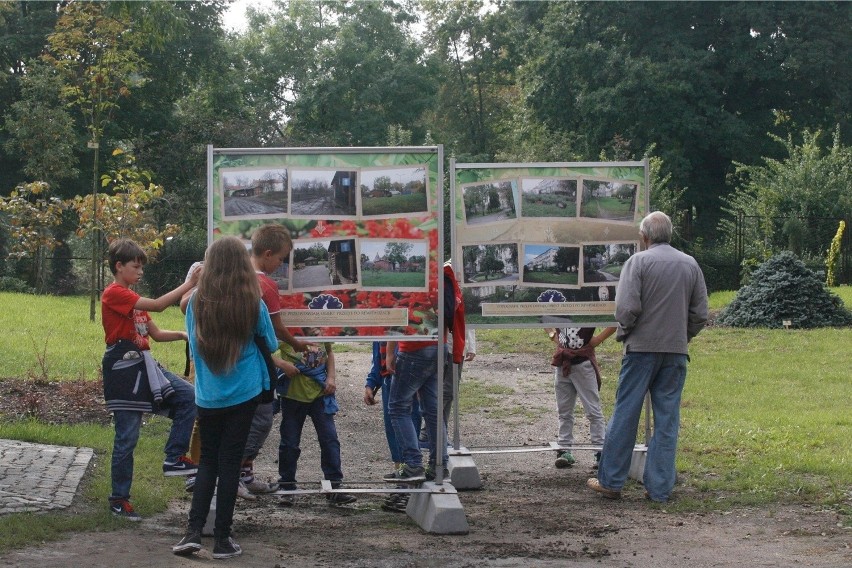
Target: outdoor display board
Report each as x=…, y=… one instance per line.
x=364, y=221
x=543, y=243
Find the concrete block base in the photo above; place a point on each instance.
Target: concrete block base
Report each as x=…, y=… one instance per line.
x=463, y=472
x=637, y=462
x=439, y=512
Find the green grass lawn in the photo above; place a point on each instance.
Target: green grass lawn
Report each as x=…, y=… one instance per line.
x=410, y=203
x=530, y=207
x=151, y=491
x=557, y=279
x=606, y=208
x=765, y=415
x=381, y=278
x=484, y=277
x=58, y=330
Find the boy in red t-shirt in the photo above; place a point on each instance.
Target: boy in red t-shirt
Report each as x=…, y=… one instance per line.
x=270, y=248
x=134, y=383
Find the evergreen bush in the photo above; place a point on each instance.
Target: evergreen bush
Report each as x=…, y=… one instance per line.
x=783, y=288
x=13, y=284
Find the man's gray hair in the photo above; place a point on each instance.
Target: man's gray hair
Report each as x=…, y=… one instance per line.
x=656, y=227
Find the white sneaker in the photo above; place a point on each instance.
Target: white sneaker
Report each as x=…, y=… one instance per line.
x=259, y=487
x=244, y=493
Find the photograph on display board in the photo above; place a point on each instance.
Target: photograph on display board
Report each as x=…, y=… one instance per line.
x=490, y=202
x=551, y=265
x=391, y=192
x=253, y=192
x=602, y=262
x=323, y=193
x=548, y=197
x=610, y=200
x=394, y=264
x=324, y=264
x=489, y=264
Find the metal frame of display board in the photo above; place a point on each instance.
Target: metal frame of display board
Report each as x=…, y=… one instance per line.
x=435, y=505
x=459, y=451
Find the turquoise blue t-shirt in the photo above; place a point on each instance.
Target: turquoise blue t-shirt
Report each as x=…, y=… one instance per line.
x=245, y=380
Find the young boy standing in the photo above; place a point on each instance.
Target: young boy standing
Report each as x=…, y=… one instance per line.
x=134, y=383
x=310, y=393
x=270, y=248
x=577, y=374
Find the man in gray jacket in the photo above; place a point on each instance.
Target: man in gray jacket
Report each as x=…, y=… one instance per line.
x=660, y=305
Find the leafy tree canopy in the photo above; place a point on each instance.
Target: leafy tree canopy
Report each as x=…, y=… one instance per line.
x=811, y=182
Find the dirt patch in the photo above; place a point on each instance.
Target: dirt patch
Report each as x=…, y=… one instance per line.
x=51, y=402
x=526, y=514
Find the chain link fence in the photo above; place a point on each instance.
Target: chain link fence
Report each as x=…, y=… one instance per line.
x=809, y=238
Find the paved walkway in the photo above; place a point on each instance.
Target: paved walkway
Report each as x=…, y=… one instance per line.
x=39, y=477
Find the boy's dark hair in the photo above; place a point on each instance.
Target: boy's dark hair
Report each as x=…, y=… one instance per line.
x=271, y=238
x=124, y=251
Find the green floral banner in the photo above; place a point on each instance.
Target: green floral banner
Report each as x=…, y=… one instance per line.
x=544, y=243
x=364, y=226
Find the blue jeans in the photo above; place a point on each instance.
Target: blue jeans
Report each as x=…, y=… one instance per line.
x=180, y=407
x=224, y=432
x=396, y=453
x=663, y=375
x=293, y=415
x=416, y=374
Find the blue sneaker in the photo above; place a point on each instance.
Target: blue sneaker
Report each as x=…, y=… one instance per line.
x=184, y=466
x=122, y=508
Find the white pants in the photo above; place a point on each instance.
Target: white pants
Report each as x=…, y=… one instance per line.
x=582, y=382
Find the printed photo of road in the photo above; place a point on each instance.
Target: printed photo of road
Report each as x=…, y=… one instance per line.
x=602, y=263
x=490, y=264
x=490, y=202
x=323, y=193
x=612, y=200
x=320, y=265
x=247, y=193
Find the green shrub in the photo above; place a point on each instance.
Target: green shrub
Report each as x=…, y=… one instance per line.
x=833, y=254
x=12, y=284
x=783, y=288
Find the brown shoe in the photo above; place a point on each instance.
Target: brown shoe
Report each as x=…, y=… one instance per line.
x=596, y=486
